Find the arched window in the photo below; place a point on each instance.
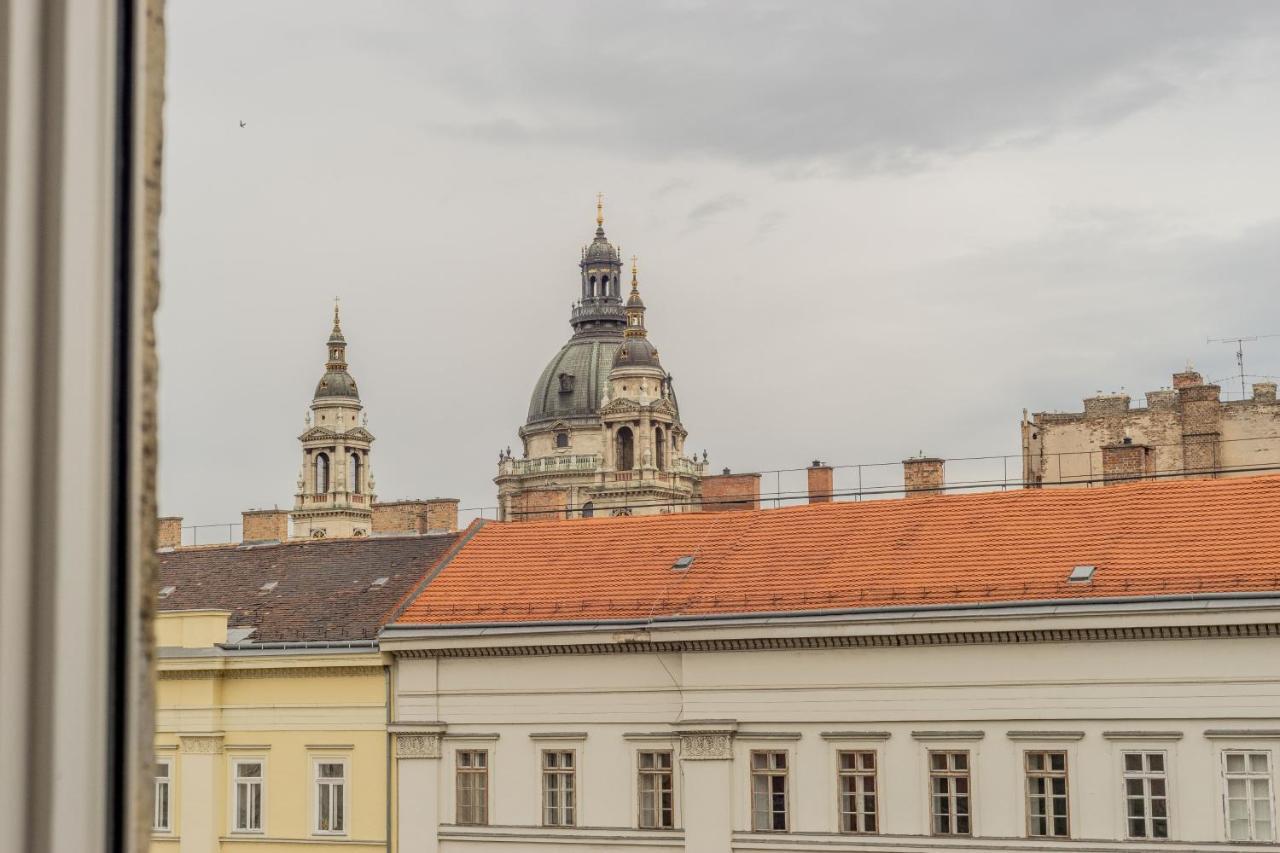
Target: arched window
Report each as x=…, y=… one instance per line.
x=626, y=450
x=591, y=290
x=562, y=439
x=588, y=509
x=660, y=442
x=322, y=473
x=353, y=474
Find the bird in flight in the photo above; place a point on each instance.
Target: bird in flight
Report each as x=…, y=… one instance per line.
x=242, y=124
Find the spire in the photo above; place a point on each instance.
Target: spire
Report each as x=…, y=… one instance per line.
x=337, y=344
x=599, y=214
x=635, y=306
x=336, y=335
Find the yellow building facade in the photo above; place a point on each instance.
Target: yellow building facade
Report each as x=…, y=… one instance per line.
x=267, y=750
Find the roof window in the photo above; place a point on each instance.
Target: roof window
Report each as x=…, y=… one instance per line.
x=682, y=563
x=166, y=591
x=1081, y=574
x=377, y=582
x=268, y=586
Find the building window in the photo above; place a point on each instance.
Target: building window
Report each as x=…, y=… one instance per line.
x=473, y=787
x=857, y=787
x=769, y=791
x=331, y=790
x=657, y=806
x=626, y=449
x=161, y=820
x=558, y=787
x=562, y=439
x=353, y=474
x=660, y=445
x=1146, y=795
x=248, y=796
x=950, y=793
x=1047, y=794
x=1249, y=804
x=322, y=473
x=588, y=509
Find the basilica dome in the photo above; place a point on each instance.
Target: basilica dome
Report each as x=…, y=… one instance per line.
x=572, y=384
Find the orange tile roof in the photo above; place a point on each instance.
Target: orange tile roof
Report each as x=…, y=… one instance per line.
x=1152, y=538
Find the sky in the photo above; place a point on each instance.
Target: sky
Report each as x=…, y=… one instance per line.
x=864, y=229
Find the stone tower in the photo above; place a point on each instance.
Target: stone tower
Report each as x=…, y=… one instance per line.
x=335, y=486
x=603, y=435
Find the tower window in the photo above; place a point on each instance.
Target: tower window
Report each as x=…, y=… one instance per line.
x=588, y=509
x=626, y=449
x=660, y=443
x=322, y=473
x=562, y=439
x=566, y=383
x=353, y=474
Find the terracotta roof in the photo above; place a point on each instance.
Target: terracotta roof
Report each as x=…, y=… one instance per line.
x=1151, y=538
x=324, y=589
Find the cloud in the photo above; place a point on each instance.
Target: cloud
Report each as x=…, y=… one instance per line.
x=712, y=208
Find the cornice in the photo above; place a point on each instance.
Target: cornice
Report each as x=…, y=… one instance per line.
x=950, y=638
x=286, y=671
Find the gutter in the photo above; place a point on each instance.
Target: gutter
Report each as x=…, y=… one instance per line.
x=316, y=644
x=1202, y=600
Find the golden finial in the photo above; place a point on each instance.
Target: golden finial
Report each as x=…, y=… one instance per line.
x=600, y=209
x=335, y=311
x=635, y=285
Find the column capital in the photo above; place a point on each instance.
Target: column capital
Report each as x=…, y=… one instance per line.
x=205, y=744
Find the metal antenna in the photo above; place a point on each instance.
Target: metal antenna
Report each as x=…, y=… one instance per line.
x=1240, y=342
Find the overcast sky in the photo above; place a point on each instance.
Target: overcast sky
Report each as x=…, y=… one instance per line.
x=864, y=229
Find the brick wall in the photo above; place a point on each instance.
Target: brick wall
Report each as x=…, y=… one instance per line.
x=821, y=483
x=726, y=492
x=169, y=532
x=1106, y=404
x=264, y=525
x=407, y=518
x=923, y=476
x=540, y=505
x=1125, y=462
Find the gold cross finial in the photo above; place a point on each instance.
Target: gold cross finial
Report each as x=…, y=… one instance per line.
x=335, y=311
x=634, y=283
x=600, y=209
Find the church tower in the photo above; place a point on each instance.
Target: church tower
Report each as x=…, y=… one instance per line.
x=335, y=486
x=603, y=435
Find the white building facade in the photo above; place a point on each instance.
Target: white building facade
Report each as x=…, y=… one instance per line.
x=1108, y=725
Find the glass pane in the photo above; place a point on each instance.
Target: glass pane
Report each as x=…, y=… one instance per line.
x=1059, y=826
x=1263, y=832
x=1160, y=828
x=1236, y=788
x=255, y=812
x=960, y=761
x=1058, y=761
x=847, y=761
x=323, y=808
x=1133, y=762
x=1133, y=787
x=1035, y=761
x=1238, y=809
x=162, y=770
x=1157, y=787
x=1155, y=762
x=938, y=761
x=1238, y=829
x=331, y=771
x=249, y=770
x=1137, y=807
x=759, y=761
x=780, y=761
x=1160, y=807
x=1261, y=787
x=1137, y=828
x=1235, y=762
x=962, y=825
x=1258, y=762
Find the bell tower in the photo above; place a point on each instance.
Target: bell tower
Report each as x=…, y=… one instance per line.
x=335, y=485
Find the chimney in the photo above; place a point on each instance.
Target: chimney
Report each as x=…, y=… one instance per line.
x=1125, y=461
x=264, y=525
x=821, y=483
x=923, y=476
x=169, y=532
x=1264, y=392
x=410, y=518
x=1186, y=379
x=726, y=492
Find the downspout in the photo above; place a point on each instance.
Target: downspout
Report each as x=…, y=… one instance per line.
x=390, y=751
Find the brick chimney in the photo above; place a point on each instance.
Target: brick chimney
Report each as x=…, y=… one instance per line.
x=1126, y=461
x=821, y=483
x=1186, y=379
x=1264, y=392
x=169, y=531
x=264, y=525
x=728, y=491
x=923, y=476
x=409, y=518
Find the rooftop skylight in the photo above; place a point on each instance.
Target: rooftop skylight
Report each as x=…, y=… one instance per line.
x=1081, y=574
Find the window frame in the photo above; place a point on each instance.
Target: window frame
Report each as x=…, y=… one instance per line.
x=168, y=763
x=669, y=772
x=1249, y=776
x=967, y=775
x=472, y=771
x=317, y=781
x=1145, y=776
x=572, y=774
x=1047, y=774
x=234, y=778
x=769, y=772
x=858, y=773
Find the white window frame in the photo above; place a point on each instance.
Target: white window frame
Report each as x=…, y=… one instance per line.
x=967, y=775
x=669, y=772
x=770, y=772
x=1249, y=776
x=1146, y=776
x=571, y=811
x=167, y=829
x=856, y=773
x=1046, y=773
x=235, y=778
x=317, y=782
x=484, y=773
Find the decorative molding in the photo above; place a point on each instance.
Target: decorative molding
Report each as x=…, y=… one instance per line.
x=768, y=735
x=951, y=638
x=1046, y=735
x=471, y=736
x=1242, y=733
x=964, y=734
x=706, y=746
x=557, y=735
x=247, y=747
x=201, y=744
x=1142, y=735
x=853, y=735
x=283, y=671
x=335, y=747
x=417, y=746
x=667, y=737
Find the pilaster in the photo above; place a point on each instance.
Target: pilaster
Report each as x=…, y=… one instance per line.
x=417, y=752
x=201, y=795
x=706, y=767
